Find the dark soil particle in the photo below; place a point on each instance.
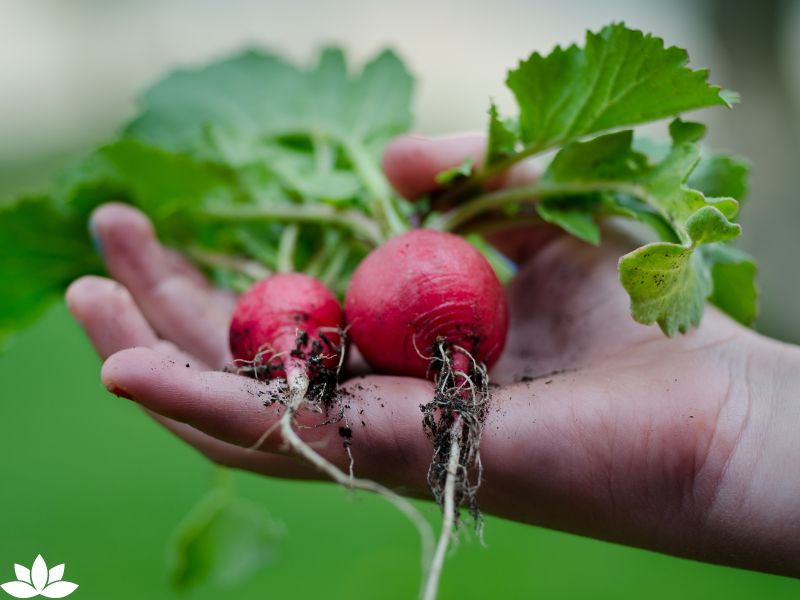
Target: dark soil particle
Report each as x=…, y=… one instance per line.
x=345, y=432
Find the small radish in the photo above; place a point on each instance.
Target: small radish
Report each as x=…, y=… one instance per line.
x=290, y=326
x=428, y=304
x=287, y=325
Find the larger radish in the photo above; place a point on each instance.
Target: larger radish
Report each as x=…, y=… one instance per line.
x=290, y=326
x=428, y=304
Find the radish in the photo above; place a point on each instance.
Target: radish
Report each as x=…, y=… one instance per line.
x=428, y=304
x=290, y=326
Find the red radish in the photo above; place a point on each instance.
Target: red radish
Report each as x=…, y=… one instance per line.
x=290, y=325
x=418, y=290
x=287, y=324
x=428, y=304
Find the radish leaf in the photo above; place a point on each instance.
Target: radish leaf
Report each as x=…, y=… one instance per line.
x=44, y=248
x=621, y=77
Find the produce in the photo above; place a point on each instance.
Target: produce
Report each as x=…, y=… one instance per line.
x=251, y=166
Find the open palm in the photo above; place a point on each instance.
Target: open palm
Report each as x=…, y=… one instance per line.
x=600, y=426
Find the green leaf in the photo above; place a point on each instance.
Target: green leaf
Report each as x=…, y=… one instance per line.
x=733, y=273
x=709, y=225
x=502, y=138
x=668, y=284
x=631, y=207
x=223, y=541
x=621, y=77
x=575, y=215
x=503, y=267
x=340, y=120
x=265, y=96
x=463, y=169
x=157, y=181
x=250, y=91
x=605, y=158
x=662, y=187
x=379, y=100
x=668, y=281
x=686, y=131
x=44, y=248
x=721, y=175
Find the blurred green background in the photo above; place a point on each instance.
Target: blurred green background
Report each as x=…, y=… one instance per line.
x=87, y=479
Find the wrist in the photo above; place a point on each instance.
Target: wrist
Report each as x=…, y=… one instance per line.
x=753, y=519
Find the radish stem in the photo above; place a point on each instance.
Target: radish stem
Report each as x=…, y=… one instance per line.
x=334, y=267
x=383, y=206
x=353, y=220
x=460, y=215
x=287, y=247
x=245, y=266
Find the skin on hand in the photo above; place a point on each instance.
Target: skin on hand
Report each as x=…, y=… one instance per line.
x=601, y=426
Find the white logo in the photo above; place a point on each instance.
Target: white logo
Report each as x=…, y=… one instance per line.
x=38, y=581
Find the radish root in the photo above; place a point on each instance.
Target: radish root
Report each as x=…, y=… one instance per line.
x=449, y=512
x=454, y=421
x=298, y=387
x=298, y=390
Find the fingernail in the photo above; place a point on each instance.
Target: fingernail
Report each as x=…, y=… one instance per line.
x=118, y=391
x=95, y=237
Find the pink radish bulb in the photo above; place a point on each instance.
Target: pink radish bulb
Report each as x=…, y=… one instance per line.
x=418, y=290
x=269, y=315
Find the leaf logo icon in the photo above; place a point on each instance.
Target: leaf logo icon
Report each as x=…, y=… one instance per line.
x=39, y=581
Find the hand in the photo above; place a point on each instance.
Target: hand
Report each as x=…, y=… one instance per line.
x=601, y=426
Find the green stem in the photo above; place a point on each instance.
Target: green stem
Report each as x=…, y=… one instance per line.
x=323, y=153
x=334, y=267
x=355, y=221
x=460, y=215
x=383, y=206
x=249, y=268
x=485, y=174
x=287, y=247
x=316, y=263
x=489, y=173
